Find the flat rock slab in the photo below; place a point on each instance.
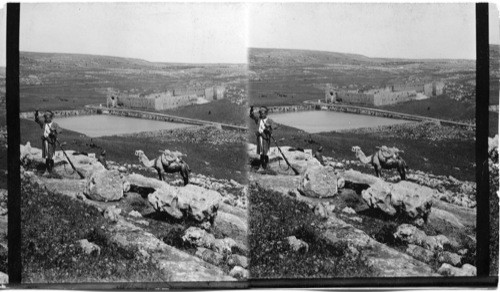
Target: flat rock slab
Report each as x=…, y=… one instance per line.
x=85, y=164
x=67, y=187
x=177, y=265
x=356, y=177
x=386, y=261
x=277, y=183
x=144, y=182
x=301, y=161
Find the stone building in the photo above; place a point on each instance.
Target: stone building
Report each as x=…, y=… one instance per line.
x=392, y=94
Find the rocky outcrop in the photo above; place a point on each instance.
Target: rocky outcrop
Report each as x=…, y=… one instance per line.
x=104, y=185
x=209, y=256
x=177, y=265
x=239, y=273
x=384, y=260
x=318, y=182
x=237, y=260
x=87, y=165
x=420, y=253
x=300, y=160
x=412, y=235
x=450, y=271
x=402, y=198
x=449, y=258
x=190, y=201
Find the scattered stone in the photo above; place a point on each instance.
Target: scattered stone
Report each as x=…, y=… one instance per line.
x=4, y=278
x=126, y=186
x=104, y=185
x=112, y=213
x=239, y=273
x=237, y=260
x=320, y=211
x=318, y=182
x=89, y=247
x=142, y=254
x=420, y=253
x=297, y=244
x=205, y=225
x=357, y=219
x=209, y=256
x=330, y=208
x=449, y=258
x=122, y=169
x=465, y=271
x=419, y=222
x=340, y=182
x=81, y=196
x=134, y=213
x=198, y=237
x=191, y=201
x=463, y=251
x=348, y=210
x=224, y=246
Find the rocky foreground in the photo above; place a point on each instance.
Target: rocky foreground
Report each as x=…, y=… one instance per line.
x=192, y=233
x=423, y=226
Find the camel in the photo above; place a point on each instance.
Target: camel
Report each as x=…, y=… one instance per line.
x=176, y=165
x=381, y=160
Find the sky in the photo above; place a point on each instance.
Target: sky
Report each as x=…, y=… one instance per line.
x=374, y=30
x=158, y=32
x=220, y=33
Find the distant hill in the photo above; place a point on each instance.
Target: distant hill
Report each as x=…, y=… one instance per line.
x=270, y=57
x=47, y=61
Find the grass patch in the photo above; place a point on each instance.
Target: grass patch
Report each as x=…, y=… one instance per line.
x=220, y=111
x=51, y=225
x=274, y=218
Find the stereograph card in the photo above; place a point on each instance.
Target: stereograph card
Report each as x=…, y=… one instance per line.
x=238, y=145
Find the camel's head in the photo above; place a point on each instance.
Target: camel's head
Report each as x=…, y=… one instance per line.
x=139, y=152
x=356, y=149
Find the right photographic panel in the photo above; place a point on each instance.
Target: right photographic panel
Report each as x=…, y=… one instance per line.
x=362, y=140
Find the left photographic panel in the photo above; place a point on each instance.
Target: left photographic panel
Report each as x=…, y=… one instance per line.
x=133, y=141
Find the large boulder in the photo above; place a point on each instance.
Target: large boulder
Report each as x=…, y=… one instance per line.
x=104, y=185
x=189, y=201
x=318, y=182
x=403, y=198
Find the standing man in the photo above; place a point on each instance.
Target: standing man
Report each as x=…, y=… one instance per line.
x=263, y=134
x=49, y=137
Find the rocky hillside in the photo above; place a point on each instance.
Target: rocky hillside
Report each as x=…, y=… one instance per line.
x=422, y=226
x=119, y=218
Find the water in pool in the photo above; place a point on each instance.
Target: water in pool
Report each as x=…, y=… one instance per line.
x=107, y=125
